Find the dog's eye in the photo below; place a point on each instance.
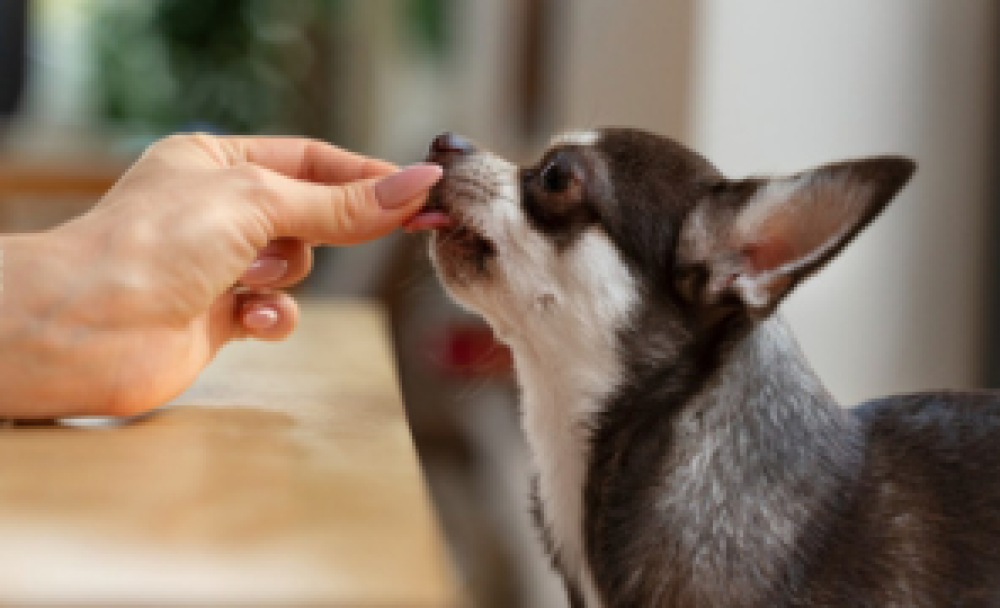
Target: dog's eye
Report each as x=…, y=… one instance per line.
x=557, y=176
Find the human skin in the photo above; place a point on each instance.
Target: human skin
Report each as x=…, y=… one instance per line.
x=116, y=312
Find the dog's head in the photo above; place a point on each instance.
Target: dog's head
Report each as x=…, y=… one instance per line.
x=608, y=219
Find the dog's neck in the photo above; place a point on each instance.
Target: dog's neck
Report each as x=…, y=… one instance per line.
x=683, y=476
x=567, y=370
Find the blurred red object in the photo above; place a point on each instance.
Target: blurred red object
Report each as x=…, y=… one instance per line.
x=471, y=351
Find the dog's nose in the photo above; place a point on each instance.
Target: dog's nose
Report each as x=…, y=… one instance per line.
x=448, y=147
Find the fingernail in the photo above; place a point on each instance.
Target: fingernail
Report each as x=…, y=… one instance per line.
x=401, y=187
x=260, y=318
x=266, y=270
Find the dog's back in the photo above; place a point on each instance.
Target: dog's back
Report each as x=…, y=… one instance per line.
x=922, y=522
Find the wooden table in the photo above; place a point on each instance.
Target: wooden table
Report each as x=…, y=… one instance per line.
x=285, y=476
x=36, y=196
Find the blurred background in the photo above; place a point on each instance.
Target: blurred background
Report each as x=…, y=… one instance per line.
x=759, y=88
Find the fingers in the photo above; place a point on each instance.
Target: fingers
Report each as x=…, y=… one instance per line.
x=311, y=161
x=265, y=316
x=239, y=314
x=283, y=263
x=298, y=158
x=306, y=189
x=347, y=214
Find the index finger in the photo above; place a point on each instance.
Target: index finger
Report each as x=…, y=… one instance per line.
x=306, y=159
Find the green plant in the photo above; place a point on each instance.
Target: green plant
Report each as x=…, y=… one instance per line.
x=227, y=65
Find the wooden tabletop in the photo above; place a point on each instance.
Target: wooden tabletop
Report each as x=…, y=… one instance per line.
x=285, y=476
x=58, y=179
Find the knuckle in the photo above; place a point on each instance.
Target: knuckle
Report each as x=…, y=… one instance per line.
x=173, y=140
x=181, y=141
x=253, y=185
x=349, y=206
x=250, y=172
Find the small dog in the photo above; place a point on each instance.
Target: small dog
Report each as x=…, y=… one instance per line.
x=685, y=453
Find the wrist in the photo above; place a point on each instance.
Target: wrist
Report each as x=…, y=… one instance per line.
x=36, y=344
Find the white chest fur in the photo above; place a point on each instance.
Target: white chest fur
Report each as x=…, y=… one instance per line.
x=567, y=365
x=555, y=422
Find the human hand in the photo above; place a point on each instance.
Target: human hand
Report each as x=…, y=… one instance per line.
x=117, y=311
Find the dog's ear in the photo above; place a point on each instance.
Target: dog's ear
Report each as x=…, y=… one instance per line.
x=756, y=239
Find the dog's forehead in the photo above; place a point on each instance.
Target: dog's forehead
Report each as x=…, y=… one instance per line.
x=654, y=154
x=639, y=154
x=575, y=138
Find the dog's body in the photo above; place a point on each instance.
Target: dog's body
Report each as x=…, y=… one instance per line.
x=686, y=454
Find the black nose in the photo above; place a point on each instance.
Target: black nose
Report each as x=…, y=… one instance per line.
x=449, y=147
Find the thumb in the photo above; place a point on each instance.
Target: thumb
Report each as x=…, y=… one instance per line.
x=349, y=213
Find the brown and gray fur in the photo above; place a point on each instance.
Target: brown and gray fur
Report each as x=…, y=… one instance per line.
x=687, y=455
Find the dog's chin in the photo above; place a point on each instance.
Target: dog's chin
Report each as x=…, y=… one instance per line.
x=462, y=254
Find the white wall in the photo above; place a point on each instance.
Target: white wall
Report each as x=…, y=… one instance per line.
x=627, y=63
x=783, y=84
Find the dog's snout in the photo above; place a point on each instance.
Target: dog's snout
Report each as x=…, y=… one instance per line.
x=448, y=147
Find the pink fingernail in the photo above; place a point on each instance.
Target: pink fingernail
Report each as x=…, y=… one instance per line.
x=403, y=186
x=260, y=318
x=265, y=270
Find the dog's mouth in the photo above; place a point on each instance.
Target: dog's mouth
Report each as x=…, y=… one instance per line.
x=434, y=215
x=454, y=236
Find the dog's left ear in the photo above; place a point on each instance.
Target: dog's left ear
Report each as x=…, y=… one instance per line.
x=756, y=239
